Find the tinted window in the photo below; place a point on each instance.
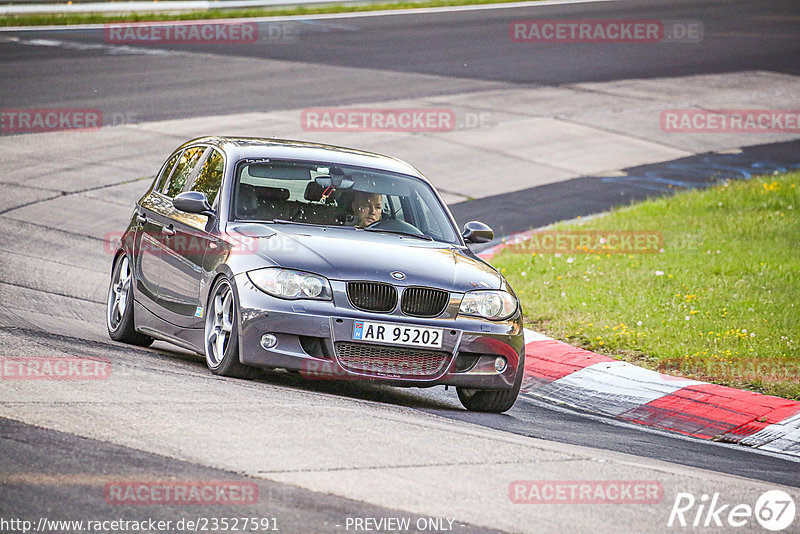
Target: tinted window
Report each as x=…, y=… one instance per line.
x=325, y=194
x=429, y=223
x=164, y=176
x=183, y=170
x=209, y=178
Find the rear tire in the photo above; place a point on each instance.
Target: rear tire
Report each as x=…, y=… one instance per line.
x=221, y=333
x=492, y=401
x=119, y=306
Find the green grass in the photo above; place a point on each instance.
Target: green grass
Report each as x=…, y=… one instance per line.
x=726, y=308
x=45, y=19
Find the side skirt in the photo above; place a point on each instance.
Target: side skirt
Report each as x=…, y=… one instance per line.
x=149, y=323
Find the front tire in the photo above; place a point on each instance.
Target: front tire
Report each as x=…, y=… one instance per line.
x=119, y=306
x=222, y=333
x=492, y=401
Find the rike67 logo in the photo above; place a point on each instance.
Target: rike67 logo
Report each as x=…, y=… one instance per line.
x=774, y=510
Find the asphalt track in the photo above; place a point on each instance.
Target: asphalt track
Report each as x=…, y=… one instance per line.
x=343, y=61
x=84, y=466
x=335, y=61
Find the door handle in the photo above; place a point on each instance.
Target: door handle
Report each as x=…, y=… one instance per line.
x=168, y=230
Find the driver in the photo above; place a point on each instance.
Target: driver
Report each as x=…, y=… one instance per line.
x=367, y=208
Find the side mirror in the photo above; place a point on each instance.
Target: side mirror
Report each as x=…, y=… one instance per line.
x=477, y=232
x=193, y=202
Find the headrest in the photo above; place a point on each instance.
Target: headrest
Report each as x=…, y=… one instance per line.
x=272, y=193
x=313, y=192
x=264, y=193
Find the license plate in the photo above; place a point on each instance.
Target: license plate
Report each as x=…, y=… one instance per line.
x=397, y=334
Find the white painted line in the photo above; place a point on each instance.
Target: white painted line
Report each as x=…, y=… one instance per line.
x=787, y=444
x=322, y=16
x=111, y=49
x=147, y=7
x=775, y=432
x=612, y=388
x=545, y=403
x=531, y=336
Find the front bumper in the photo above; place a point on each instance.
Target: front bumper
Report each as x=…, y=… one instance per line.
x=311, y=335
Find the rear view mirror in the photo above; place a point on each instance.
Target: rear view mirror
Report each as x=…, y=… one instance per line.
x=339, y=182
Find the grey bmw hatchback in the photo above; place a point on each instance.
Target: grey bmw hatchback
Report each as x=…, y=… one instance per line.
x=336, y=263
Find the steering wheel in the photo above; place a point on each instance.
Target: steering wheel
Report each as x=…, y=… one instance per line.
x=396, y=225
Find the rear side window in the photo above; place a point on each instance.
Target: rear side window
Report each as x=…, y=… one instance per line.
x=183, y=170
x=164, y=176
x=209, y=178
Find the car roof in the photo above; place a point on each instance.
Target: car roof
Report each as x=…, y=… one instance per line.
x=283, y=149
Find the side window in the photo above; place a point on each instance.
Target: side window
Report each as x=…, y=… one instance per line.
x=394, y=206
x=183, y=169
x=209, y=178
x=162, y=179
x=428, y=223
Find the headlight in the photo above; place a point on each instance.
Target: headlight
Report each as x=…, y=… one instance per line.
x=288, y=284
x=495, y=305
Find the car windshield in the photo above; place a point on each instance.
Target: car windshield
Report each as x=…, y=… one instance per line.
x=326, y=194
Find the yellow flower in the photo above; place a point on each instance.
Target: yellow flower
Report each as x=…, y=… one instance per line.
x=771, y=187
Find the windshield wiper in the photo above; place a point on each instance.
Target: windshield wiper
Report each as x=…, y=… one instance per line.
x=400, y=232
x=288, y=221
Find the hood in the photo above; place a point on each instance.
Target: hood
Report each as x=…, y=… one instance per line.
x=354, y=254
